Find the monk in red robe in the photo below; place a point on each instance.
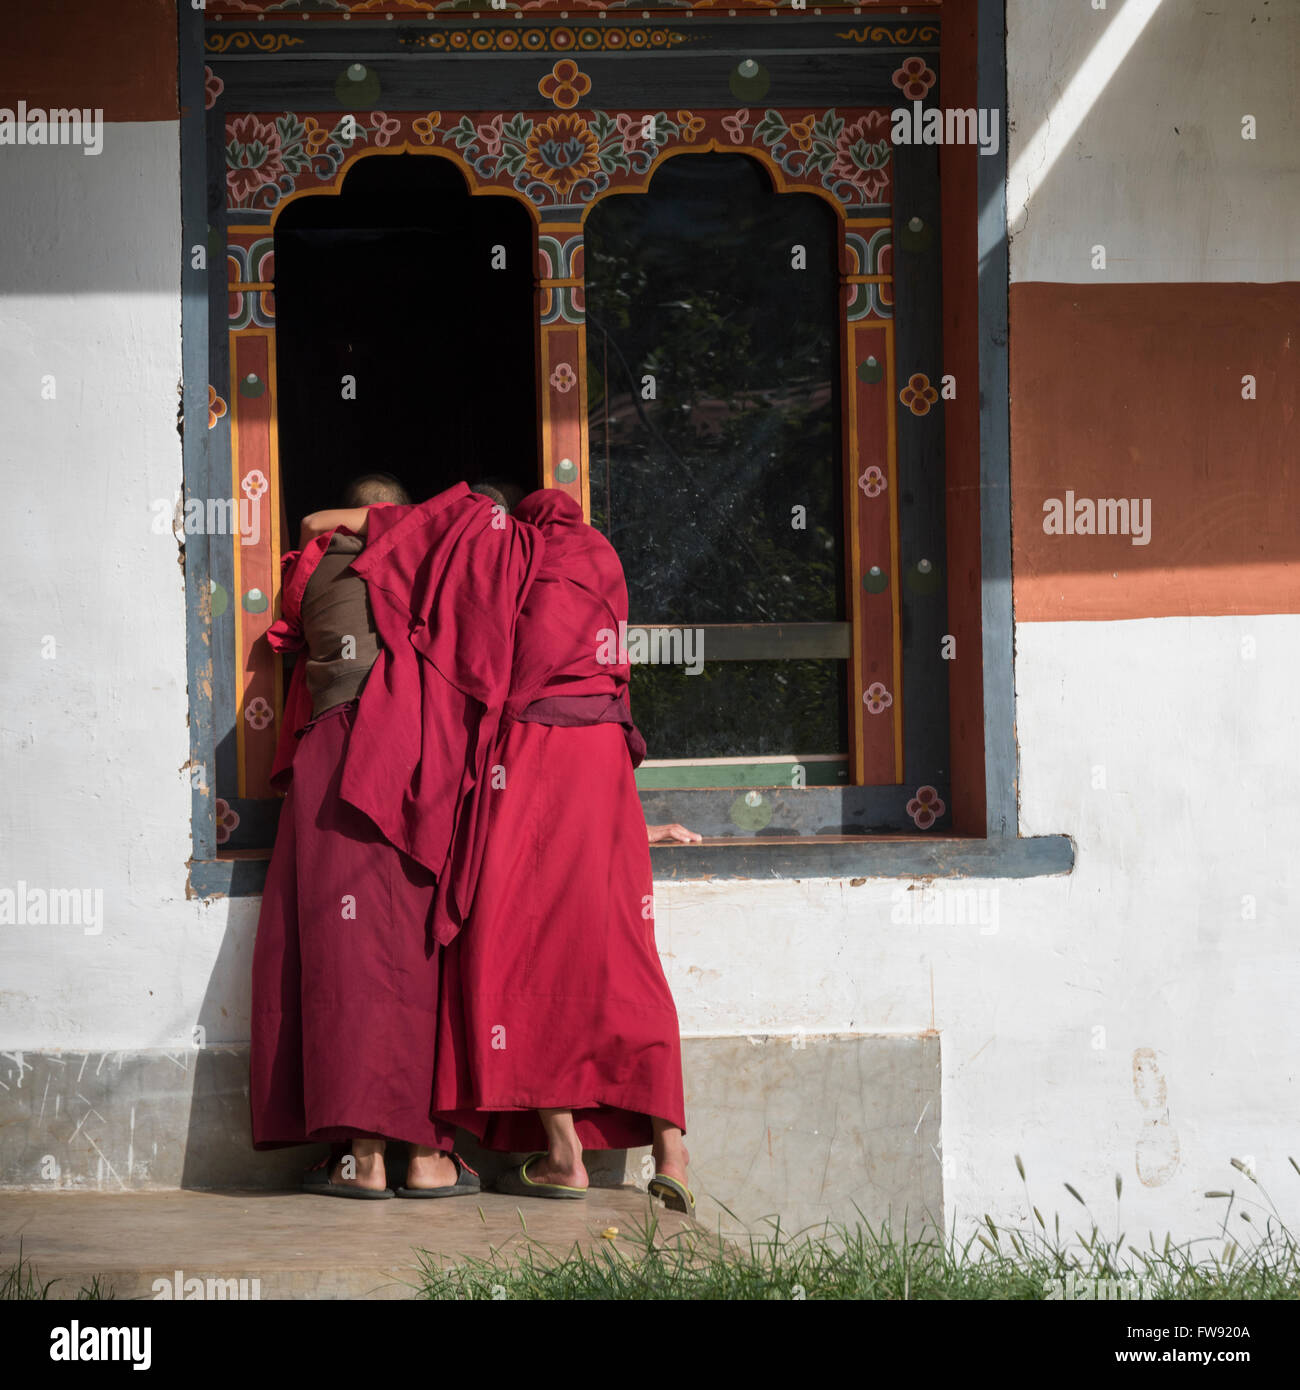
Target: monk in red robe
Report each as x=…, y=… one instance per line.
x=558, y=1031
x=406, y=656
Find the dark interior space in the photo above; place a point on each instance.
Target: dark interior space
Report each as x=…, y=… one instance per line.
x=392, y=282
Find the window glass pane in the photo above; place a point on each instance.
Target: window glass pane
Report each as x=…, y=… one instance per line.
x=695, y=476
x=734, y=708
x=713, y=376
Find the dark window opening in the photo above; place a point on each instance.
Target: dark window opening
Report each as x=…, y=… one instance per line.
x=392, y=282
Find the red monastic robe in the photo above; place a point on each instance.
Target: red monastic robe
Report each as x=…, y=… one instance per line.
x=553, y=994
x=345, y=966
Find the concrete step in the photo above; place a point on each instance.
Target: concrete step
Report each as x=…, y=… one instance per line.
x=294, y=1244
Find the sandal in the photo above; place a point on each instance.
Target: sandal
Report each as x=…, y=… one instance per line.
x=467, y=1181
x=319, y=1182
x=515, y=1182
x=676, y=1196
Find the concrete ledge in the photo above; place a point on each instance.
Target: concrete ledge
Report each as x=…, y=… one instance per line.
x=810, y=1129
x=814, y=1129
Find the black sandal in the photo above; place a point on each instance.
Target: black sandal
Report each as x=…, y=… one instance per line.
x=467, y=1182
x=318, y=1182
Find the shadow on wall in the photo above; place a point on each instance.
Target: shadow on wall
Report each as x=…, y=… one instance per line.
x=218, y=1145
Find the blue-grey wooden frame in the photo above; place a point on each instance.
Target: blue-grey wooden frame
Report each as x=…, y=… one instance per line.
x=1002, y=853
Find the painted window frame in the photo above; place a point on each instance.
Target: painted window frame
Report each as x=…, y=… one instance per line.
x=996, y=850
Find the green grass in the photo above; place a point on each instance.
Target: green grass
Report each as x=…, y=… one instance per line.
x=20, y=1283
x=1253, y=1256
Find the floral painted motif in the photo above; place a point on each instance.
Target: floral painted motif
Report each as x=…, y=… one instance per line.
x=631, y=130
x=914, y=79
x=426, y=127
x=850, y=162
x=918, y=395
x=859, y=160
x=252, y=156
x=227, y=820
x=567, y=158
x=735, y=126
x=876, y=698
x=317, y=137
x=873, y=482
x=216, y=407
x=213, y=87
x=383, y=127
x=565, y=85
x=254, y=484
x=925, y=807
x=561, y=152
x=564, y=378
x=801, y=132
x=492, y=135
x=690, y=126
x=258, y=713
x=264, y=158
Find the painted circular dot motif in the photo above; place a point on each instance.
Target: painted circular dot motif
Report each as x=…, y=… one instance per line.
x=923, y=578
x=749, y=81
x=915, y=235
x=357, y=85
x=255, y=601
x=566, y=471
x=871, y=371
x=220, y=598
x=875, y=581
x=751, y=815
x=252, y=385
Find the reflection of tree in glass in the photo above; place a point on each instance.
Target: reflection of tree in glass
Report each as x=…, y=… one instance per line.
x=734, y=708
x=692, y=284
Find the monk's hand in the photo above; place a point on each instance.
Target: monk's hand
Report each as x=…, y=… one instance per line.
x=679, y=833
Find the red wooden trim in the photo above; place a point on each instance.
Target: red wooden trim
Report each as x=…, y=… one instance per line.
x=255, y=565
x=960, y=212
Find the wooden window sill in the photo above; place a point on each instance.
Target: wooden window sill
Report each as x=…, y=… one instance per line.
x=242, y=873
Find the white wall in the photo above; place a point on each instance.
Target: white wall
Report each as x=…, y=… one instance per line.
x=92, y=741
x=1144, y=155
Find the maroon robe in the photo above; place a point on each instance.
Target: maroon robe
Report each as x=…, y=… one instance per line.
x=553, y=994
x=345, y=965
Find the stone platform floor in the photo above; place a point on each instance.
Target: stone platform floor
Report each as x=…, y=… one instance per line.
x=297, y=1245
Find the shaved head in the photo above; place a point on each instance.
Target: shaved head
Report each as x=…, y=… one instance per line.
x=502, y=491
x=373, y=488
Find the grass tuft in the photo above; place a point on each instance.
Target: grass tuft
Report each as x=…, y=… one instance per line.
x=872, y=1261
x=20, y=1283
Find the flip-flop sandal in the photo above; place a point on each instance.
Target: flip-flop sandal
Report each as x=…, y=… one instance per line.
x=319, y=1183
x=515, y=1182
x=676, y=1196
x=467, y=1182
